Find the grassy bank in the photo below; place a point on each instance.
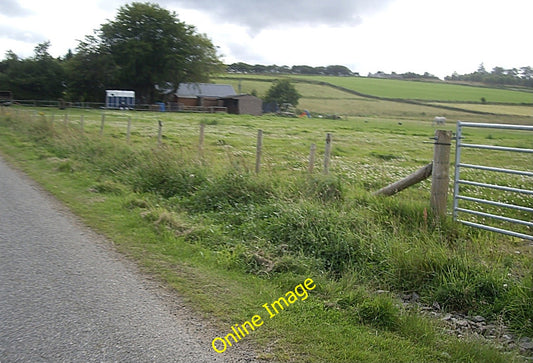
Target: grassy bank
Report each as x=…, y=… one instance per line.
x=231, y=241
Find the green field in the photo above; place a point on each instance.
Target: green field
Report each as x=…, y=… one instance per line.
x=413, y=90
x=321, y=99
x=504, y=110
x=427, y=91
x=229, y=240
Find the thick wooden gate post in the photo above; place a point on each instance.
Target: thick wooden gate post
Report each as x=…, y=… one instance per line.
x=441, y=172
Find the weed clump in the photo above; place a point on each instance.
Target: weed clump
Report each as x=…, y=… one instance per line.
x=325, y=188
x=517, y=308
x=160, y=173
x=379, y=311
x=232, y=190
x=314, y=231
x=65, y=166
x=136, y=203
x=107, y=187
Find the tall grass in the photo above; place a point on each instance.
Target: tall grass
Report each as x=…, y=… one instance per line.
x=275, y=226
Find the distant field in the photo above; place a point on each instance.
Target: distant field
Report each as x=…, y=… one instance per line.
x=326, y=100
x=519, y=110
x=428, y=91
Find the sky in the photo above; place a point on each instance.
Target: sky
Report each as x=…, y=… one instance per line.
x=435, y=36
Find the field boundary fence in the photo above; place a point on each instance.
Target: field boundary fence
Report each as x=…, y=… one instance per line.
x=458, y=181
x=81, y=122
x=438, y=169
x=158, y=106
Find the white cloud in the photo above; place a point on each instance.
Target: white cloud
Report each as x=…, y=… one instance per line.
x=258, y=15
x=15, y=34
x=13, y=9
x=438, y=36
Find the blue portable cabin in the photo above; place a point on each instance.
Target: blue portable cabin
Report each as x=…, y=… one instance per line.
x=119, y=99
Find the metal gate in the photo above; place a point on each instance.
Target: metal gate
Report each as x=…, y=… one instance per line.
x=476, y=206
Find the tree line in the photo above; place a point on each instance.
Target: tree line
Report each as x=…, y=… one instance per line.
x=499, y=76
x=145, y=48
x=334, y=70
x=407, y=76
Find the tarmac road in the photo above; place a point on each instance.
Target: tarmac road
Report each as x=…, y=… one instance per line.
x=67, y=296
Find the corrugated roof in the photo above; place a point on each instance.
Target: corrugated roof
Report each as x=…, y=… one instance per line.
x=205, y=90
x=239, y=96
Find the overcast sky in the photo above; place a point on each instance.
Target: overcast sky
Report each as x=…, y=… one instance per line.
x=435, y=36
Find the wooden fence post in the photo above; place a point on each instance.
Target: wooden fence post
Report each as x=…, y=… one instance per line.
x=128, y=132
x=312, y=153
x=327, y=153
x=102, y=124
x=201, y=141
x=160, y=133
x=258, y=151
x=441, y=172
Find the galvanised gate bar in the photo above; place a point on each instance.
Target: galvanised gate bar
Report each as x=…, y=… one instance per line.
x=458, y=182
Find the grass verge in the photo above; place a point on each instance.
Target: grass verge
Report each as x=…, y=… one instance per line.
x=230, y=241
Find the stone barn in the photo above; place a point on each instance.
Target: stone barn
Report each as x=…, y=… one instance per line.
x=243, y=105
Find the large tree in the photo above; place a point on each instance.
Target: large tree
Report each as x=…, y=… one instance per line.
x=90, y=71
x=150, y=47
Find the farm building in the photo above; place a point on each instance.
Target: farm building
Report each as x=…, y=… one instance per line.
x=243, y=105
x=202, y=94
x=119, y=99
x=214, y=97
